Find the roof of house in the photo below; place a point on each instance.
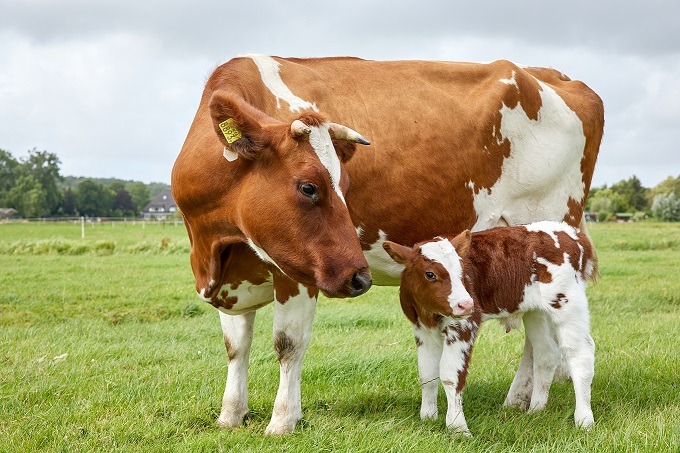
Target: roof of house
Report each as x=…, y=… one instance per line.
x=7, y=212
x=163, y=200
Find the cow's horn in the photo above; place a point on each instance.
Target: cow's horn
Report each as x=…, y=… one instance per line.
x=341, y=132
x=298, y=128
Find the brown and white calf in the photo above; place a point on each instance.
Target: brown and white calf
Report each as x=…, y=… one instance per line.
x=536, y=273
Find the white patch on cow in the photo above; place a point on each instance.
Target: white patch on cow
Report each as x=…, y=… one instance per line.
x=229, y=154
x=511, y=80
x=259, y=251
x=542, y=172
x=360, y=231
x=269, y=71
x=443, y=252
x=201, y=294
x=384, y=270
x=320, y=140
x=249, y=297
x=550, y=228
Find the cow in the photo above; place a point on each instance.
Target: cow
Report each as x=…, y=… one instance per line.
x=535, y=273
x=282, y=198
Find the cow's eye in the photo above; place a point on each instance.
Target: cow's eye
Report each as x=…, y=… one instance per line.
x=308, y=190
x=430, y=276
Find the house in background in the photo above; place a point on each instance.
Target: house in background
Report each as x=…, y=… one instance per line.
x=163, y=207
x=8, y=213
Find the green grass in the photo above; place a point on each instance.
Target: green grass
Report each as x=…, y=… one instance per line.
x=146, y=364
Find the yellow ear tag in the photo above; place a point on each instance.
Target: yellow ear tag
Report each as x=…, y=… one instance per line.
x=230, y=131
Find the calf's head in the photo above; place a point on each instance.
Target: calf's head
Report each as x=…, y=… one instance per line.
x=433, y=276
x=281, y=191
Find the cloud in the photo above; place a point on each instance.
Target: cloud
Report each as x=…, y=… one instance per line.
x=112, y=86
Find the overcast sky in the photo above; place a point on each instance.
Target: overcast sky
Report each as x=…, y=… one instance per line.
x=112, y=86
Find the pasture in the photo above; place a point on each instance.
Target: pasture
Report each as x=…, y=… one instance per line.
x=146, y=365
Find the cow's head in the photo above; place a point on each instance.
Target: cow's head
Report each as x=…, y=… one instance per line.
x=433, y=275
x=281, y=191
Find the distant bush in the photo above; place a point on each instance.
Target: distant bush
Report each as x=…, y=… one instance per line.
x=605, y=216
x=104, y=247
x=666, y=207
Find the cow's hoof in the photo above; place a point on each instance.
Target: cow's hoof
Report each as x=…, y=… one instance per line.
x=279, y=427
x=231, y=420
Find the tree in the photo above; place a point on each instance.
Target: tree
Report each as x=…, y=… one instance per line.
x=28, y=197
x=632, y=191
x=666, y=207
x=44, y=168
x=140, y=195
x=8, y=171
x=608, y=200
x=666, y=186
x=123, y=204
x=94, y=199
x=69, y=205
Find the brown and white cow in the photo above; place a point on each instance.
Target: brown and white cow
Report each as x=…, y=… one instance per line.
x=535, y=273
x=278, y=203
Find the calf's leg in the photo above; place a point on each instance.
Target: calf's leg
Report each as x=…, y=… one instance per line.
x=522, y=385
x=238, y=337
x=453, y=369
x=546, y=356
x=578, y=348
x=429, y=343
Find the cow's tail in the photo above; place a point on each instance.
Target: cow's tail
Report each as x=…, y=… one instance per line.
x=594, y=274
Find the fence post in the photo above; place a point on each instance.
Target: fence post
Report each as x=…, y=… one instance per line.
x=82, y=227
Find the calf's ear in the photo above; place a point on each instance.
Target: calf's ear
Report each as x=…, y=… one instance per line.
x=397, y=252
x=240, y=127
x=462, y=243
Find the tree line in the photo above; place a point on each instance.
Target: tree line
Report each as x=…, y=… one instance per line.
x=34, y=186
x=629, y=196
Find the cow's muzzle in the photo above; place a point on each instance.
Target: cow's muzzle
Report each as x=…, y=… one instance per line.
x=360, y=283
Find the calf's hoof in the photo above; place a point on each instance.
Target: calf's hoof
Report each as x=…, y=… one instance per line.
x=584, y=421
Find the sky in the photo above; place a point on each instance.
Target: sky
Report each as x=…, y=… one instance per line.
x=111, y=87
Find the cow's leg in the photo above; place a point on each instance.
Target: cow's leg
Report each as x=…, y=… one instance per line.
x=238, y=337
x=293, y=317
x=546, y=356
x=521, y=387
x=429, y=343
x=453, y=369
x=578, y=348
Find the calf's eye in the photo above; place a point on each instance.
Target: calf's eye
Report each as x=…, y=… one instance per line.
x=430, y=276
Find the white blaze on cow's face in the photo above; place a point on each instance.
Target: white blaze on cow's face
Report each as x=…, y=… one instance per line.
x=320, y=139
x=444, y=253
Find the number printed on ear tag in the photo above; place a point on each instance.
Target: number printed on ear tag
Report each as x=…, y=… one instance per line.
x=230, y=131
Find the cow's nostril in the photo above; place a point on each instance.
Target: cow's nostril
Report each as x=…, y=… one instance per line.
x=360, y=283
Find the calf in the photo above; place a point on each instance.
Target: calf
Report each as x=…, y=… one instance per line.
x=536, y=273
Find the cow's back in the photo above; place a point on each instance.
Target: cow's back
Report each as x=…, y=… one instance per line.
x=453, y=145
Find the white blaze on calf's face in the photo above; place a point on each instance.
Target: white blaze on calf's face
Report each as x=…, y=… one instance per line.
x=444, y=253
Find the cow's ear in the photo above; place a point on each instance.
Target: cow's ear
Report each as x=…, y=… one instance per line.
x=239, y=126
x=345, y=140
x=344, y=149
x=462, y=243
x=397, y=252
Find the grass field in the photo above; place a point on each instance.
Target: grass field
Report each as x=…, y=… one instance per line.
x=146, y=364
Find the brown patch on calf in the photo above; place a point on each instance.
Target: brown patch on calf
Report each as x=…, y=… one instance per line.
x=419, y=342
x=284, y=346
x=559, y=301
x=231, y=352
